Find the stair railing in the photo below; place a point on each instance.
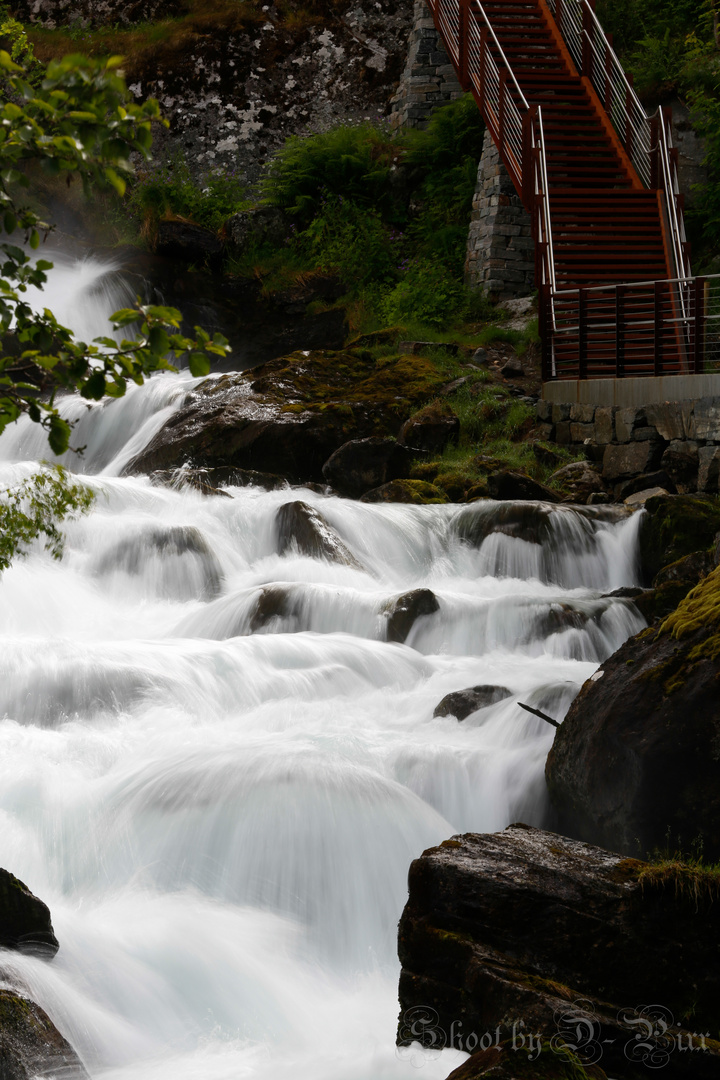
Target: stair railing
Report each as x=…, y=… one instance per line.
x=647, y=140
x=515, y=126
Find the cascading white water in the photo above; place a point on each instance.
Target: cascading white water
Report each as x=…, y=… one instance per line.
x=222, y=821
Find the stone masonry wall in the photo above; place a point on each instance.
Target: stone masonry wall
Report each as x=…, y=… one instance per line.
x=429, y=78
x=671, y=445
x=501, y=252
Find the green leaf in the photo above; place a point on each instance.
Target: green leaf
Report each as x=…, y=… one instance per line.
x=9, y=221
x=159, y=340
x=95, y=386
x=124, y=317
x=59, y=435
x=199, y=364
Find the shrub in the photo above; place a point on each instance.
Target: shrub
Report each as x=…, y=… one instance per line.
x=170, y=191
x=427, y=294
x=353, y=240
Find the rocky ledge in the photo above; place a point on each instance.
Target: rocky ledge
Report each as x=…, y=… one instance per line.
x=545, y=948
x=637, y=759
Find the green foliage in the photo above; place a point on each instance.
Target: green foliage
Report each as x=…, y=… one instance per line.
x=427, y=293
x=169, y=191
x=81, y=122
x=14, y=41
x=351, y=239
x=34, y=508
x=353, y=162
x=629, y=21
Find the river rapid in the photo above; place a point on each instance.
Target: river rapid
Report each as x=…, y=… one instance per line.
x=222, y=820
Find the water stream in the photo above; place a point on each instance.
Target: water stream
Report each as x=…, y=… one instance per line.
x=222, y=820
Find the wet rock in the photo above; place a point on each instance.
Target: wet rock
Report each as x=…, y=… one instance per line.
x=184, y=242
x=461, y=703
x=212, y=481
x=25, y=922
x=430, y=430
x=508, y=1061
x=708, y=468
x=405, y=610
x=30, y=1044
x=507, y=485
x=578, y=481
x=406, y=491
x=559, y=618
x=644, y=483
x=675, y=526
x=303, y=529
x=641, y=497
x=525, y=521
x=528, y=928
x=361, y=465
x=689, y=571
x=130, y=555
x=637, y=755
x=288, y=416
x=274, y=602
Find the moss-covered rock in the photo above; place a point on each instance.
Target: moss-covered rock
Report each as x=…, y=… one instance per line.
x=508, y=1062
x=675, y=526
x=639, y=752
x=30, y=1044
x=406, y=491
x=290, y=415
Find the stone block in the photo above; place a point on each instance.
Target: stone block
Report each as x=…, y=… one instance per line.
x=582, y=414
x=667, y=419
x=560, y=411
x=707, y=419
x=545, y=432
x=604, y=426
x=681, y=462
x=628, y=421
x=709, y=469
x=562, y=433
x=544, y=410
x=630, y=459
x=580, y=432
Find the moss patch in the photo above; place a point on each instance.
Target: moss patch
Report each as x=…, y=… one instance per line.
x=698, y=613
x=676, y=526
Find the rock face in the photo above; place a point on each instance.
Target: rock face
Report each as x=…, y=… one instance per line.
x=405, y=610
x=188, y=243
x=526, y=933
x=638, y=755
x=25, y=922
x=30, y=1044
x=504, y=1062
x=462, y=703
x=288, y=416
x=676, y=526
x=362, y=465
x=579, y=480
x=514, y=485
x=302, y=528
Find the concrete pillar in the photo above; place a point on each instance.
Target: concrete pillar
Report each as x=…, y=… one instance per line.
x=500, y=252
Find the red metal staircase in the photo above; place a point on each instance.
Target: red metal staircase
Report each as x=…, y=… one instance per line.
x=599, y=178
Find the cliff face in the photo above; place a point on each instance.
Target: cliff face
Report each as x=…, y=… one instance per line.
x=235, y=79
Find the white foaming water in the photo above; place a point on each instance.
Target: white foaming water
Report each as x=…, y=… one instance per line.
x=216, y=770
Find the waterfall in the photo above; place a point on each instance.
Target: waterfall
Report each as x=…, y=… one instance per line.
x=221, y=809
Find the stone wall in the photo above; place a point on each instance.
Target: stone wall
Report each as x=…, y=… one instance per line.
x=501, y=252
x=429, y=78
x=672, y=445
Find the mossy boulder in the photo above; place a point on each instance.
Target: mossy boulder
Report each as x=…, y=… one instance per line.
x=406, y=491
x=290, y=415
x=675, y=526
x=431, y=429
x=30, y=1044
x=25, y=922
x=638, y=755
x=508, y=1062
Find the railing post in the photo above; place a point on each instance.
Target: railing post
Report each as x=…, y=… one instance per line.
x=699, y=335
x=628, y=117
x=655, y=152
x=501, y=105
x=482, y=66
x=658, y=334
x=582, y=333
x=608, y=77
x=559, y=14
x=464, y=44
x=546, y=332
x=620, y=331
x=528, y=161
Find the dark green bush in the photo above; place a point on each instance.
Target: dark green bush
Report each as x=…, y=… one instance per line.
x=171, y=191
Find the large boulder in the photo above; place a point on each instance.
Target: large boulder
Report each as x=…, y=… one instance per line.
x=431, y=429
x=539, y=942
x=406, y=491
x=362, y=465
x=25, y=922
x=505, y=1061
x=462, y=703
x=31, y=1046
x=507, y=484
x=637, y=759
x=163, y=550
x=578, y=480
x=288, y=416
x=675, y=526
x=404, y=611
x=303, y=529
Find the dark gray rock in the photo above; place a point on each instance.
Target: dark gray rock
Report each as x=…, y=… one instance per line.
x=674, y=526
x=560, y=412
x=430, y=430
x=507, y=485
x=604, y=425
x=667, y=419
x=25, y=922
x=184, y=242
x=659, y=479
x=578, y=481
x=582, y=414
x=631, y=459
x=709, y=468
x=543, y=411
x=628, y=422
x=130, y=555
x=681, y=462
x=461, y=703
x=31, y=1047
x=404, y=611
x=512, y=368
x=303, y=529
x=528, y=928
x=363, y=464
